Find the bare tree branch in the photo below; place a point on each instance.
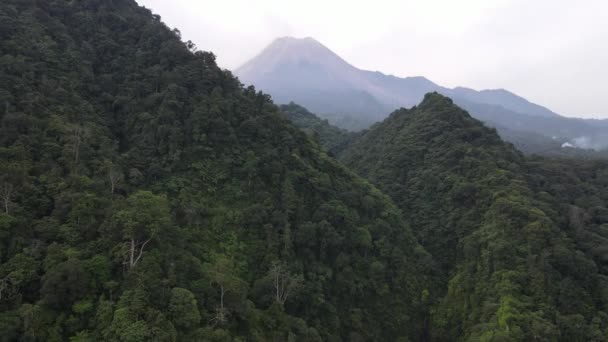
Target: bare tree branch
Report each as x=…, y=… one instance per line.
x=141, y=251
x=6, y=191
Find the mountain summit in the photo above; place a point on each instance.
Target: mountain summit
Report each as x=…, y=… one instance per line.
x=308, y=73
x=305, y=71
x=289, y=50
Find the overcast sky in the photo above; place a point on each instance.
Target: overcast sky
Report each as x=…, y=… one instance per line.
x=552, y=52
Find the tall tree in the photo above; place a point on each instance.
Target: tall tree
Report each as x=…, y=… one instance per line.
x=143, y=217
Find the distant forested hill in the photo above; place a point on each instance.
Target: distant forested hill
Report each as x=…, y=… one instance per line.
x=522, y=244
x=331, y=138
x=147, y=196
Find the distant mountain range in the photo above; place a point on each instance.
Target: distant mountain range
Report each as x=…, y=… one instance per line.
x=308, y=73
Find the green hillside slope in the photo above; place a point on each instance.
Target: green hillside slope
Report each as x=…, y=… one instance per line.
x=331, y=138
x=512, y=267
x=146, y=195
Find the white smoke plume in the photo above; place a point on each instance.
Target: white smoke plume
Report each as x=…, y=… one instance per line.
x=598, y=142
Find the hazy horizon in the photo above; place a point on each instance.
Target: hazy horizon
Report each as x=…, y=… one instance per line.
x=550, y=52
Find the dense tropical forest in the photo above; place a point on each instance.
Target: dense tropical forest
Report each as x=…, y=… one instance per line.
x=521, y=243
x=147, y=195
x=331, y=138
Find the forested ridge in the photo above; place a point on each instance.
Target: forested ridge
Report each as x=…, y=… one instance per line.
x=147, y=195
x=331, y=138
x=522, y=243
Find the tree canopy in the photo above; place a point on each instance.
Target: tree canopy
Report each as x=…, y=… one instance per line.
x=147, y=195
x=500, y=226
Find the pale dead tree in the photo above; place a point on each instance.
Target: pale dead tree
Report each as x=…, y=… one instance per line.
x=141, y=219
x=6, y=192
x=223, y=275
x=221, y=313
x=115, y=177
x=283, y=282
x=77, y=136
x=13, y=175
x=135, y=247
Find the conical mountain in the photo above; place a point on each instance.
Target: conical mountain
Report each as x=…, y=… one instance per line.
x=290, y=67
x=148, y=196
x=289, y=50
x=515, y=267
x=308, y=73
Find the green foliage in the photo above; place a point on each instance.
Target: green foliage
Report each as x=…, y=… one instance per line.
x=147, y=195
x=64, y=284
x=144, y=214
x=512, y=264
x=331, y=138
x=141, y=220
x=183, y=309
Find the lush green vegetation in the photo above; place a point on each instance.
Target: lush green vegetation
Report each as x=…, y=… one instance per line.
x=331, y=138
x=146, y=195
x=578, y=190
x=517, y=266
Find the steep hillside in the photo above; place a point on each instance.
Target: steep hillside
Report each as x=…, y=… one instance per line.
x=148, y=196
x=514, y=270
x=578, y=191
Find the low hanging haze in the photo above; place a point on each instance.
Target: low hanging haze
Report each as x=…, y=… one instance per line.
x=552, y=52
